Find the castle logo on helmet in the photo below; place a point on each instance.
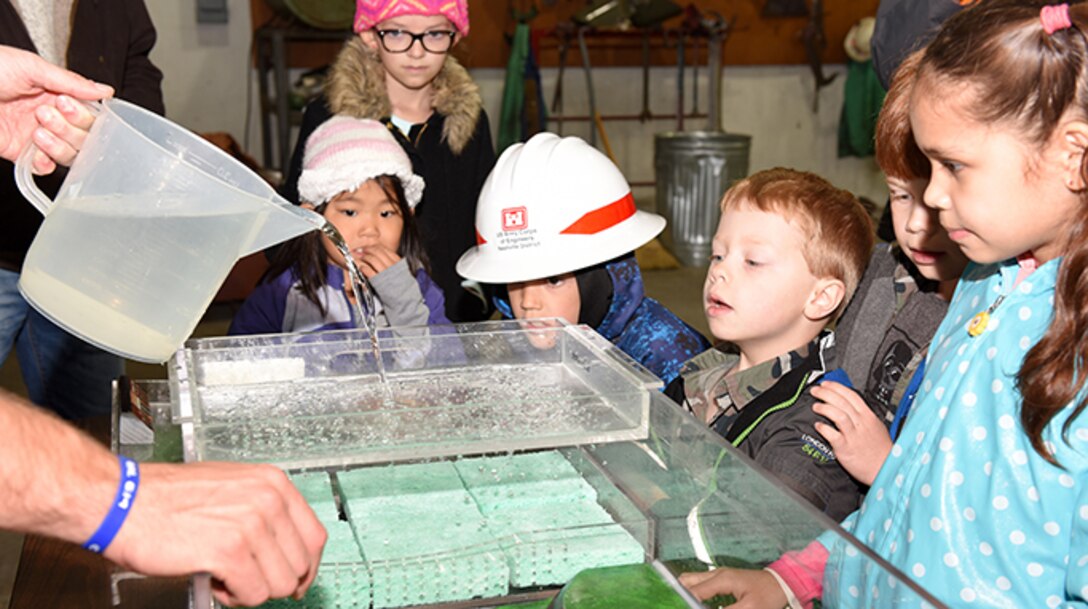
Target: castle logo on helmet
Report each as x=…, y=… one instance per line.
x=515, y=218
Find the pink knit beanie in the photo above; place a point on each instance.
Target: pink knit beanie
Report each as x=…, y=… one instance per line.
x=369, y=13
x=345, y=152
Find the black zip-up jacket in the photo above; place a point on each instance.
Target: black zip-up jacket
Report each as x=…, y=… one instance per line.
x=777, y=428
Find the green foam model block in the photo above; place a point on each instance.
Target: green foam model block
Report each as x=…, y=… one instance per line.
x=343, y=580
x=335, y=587
x=407, y=508
x=327, y=513
x=316, y=489
x=526, y=479
x=423, y=536
x=388, y=500
x=394, y=538
x=341, y=546
x=443, y=531
x=431, y=558
x=437, y=480
x=452, y=576
x=547, y=517
x=552, y=557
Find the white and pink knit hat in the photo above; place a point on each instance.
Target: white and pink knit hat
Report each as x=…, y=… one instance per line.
x=345, y=152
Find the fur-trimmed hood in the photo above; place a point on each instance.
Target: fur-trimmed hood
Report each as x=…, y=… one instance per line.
x=356, y=87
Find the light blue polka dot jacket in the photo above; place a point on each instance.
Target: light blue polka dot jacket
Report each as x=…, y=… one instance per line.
x=964, y=506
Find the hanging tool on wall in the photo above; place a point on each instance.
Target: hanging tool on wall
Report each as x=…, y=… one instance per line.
x=690, y=27
x=599, y=14
x=604, y=13
x=584, y=50
x=648, y=15
x=535, y=115
x=563, y=32
x=784, y=8
x=652, y=13
x=815, y=41
x=522, y=114
x=695, y=75
x=680, y=79
x=716, y=29
x=645, y=115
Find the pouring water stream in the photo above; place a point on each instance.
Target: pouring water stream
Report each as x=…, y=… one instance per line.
x=364, y=298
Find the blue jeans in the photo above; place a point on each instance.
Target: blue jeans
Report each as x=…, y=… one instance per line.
x=61, y=372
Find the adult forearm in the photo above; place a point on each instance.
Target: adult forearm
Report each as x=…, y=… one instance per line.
x=246, y=525
x=54, y=479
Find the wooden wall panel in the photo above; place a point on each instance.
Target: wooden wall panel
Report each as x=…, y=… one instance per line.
x=752, y=40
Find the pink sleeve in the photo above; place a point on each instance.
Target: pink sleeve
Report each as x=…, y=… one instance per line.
x=803, y=572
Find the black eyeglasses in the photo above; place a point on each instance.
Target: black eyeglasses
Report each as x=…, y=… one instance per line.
x=399, y=41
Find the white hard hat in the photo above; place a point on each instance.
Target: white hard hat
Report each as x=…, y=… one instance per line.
x=552, y=206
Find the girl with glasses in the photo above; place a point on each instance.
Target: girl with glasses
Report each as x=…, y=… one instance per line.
x=398, y=69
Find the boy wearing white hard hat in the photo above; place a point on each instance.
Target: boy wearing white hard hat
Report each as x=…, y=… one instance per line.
x=556, y=223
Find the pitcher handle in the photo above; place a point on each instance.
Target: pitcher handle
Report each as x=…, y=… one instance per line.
x=24, y=176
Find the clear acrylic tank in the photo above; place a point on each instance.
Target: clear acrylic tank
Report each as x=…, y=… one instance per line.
x=496, y=465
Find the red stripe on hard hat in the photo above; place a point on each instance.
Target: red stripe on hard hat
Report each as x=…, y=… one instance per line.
x=602, y=218
x=480, y=239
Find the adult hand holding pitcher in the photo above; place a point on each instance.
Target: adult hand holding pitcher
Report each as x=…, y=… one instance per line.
x=148, y=223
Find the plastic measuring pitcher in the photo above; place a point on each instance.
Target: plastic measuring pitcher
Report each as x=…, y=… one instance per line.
x=148, y=223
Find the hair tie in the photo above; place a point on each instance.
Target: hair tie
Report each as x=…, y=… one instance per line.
x=1055, y=17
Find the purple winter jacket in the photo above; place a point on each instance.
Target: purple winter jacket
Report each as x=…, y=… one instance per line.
x=402, y=300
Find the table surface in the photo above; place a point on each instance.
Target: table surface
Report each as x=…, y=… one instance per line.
x=53, y=573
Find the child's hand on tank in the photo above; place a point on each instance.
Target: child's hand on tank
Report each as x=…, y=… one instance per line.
x=752, y=589
x=860, y=439
x=375, y=259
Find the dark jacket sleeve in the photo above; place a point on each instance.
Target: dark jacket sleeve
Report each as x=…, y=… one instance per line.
x=263, y=310
x=142, y=81
x=433, y=298
x=111, y=42
x=675, y=390
x=316, y=112
x=485, y=162
x=486, y=159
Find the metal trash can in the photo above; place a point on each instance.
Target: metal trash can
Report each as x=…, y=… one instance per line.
x=693, y=170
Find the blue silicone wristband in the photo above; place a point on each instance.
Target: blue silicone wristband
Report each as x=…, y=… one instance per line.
x=122, y=503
